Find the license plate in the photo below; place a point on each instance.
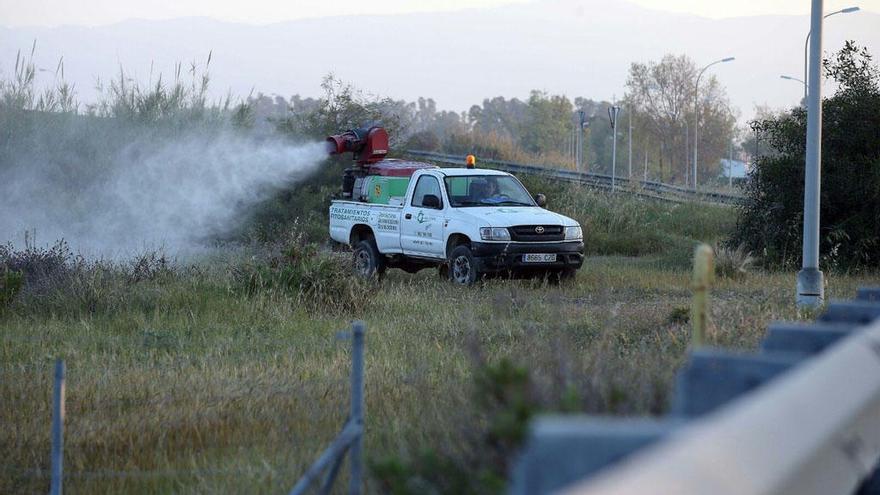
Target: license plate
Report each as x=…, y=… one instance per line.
x=539, y=258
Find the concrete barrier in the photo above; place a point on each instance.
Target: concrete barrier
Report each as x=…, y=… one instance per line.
x=802, y=417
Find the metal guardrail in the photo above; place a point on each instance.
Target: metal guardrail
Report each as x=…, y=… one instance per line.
x=802, y=416
x=641, y=188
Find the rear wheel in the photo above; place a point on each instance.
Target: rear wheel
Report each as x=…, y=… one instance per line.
x=462, y=266
x=368, y=263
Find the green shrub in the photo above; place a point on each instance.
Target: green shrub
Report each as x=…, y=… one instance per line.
x=732, y=263
x=679, y=315
x=55, y=281
x=10, y=284
x=504, y=397
x=313, y=276
x=771, y=222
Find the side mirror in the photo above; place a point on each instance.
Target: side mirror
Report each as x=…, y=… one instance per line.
x=541, y=200
x=431, y=201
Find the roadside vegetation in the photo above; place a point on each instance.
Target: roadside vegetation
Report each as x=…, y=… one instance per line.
x=771, y=221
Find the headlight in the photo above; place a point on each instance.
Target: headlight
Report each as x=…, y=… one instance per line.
x=573, y=233
x=494, y=234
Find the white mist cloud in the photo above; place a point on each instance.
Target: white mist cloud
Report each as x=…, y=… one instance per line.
x=157, y=192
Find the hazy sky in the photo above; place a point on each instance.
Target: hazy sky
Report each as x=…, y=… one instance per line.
x=96, y=12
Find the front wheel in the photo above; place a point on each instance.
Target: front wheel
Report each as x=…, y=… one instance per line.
x=463, y=267
x=368, y=263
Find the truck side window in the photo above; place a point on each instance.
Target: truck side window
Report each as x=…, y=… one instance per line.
x=426, y=185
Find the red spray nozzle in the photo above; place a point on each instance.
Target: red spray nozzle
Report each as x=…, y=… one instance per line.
x=368, y=145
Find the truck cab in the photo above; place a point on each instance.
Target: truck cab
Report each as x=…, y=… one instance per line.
x=469, y=222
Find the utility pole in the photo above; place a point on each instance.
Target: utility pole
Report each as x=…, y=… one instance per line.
x=613, y=112
x=697, y=111
x=687, y=163
x=629, y=153
x=580, y=141
x=646, y=164
x=810, y=281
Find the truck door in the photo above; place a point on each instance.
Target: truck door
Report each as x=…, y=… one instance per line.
x=421, y=229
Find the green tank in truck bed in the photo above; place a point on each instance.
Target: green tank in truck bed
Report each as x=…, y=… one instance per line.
x=385, y=182
x=380, y=189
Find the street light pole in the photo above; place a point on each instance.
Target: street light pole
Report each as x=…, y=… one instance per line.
x=613, y=112
x=810, y=283
x=577, y=147
x=789, y=78
x=687, y=146
x=697, y=111
x=807, y=44
x=629, y=153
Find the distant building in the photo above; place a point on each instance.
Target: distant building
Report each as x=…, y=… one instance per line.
x=734, y=169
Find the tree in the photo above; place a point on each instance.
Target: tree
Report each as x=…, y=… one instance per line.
x=499, y=116
x=661, y=96
x=345, y=107
x=771, y=220
x=547, y=123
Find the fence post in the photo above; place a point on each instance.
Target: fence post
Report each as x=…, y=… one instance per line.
x=357, y=405
x=58, y=429
x=703, y=275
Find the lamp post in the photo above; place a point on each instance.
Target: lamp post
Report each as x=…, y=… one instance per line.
x=578, y=152
x=730, y=157
x=810, y=281
x=697, y=111
x=629, y=152
x=613, y=112
x=847, y=10
x=789, y=78
x=687, y=147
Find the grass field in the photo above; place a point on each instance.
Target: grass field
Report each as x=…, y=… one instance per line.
x=194, y=387
x=224, y=373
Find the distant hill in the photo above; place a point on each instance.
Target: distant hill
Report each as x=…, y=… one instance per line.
x=576, y=47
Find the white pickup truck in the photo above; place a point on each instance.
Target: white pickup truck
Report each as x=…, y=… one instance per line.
x=469, y=222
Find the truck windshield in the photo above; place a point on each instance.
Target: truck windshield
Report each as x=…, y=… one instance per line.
x=486, y=190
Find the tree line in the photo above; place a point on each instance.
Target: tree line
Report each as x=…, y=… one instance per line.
x=658, y=105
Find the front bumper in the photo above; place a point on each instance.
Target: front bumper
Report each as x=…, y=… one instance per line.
x=499, y=256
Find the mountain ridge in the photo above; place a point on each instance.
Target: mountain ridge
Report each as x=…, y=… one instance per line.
x=572, y=47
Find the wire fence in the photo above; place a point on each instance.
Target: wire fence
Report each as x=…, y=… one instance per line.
x=347, y=442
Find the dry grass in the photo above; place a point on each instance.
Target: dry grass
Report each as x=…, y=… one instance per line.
x=208, y=390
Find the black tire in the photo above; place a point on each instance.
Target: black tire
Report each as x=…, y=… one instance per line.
x=462, y=267
x=368, y=263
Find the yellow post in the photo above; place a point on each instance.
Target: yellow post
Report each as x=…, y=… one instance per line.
x=704, y=272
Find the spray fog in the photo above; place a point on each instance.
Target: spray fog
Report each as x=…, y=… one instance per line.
x=112, y=192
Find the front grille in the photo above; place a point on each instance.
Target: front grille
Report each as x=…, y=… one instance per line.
x=529, y=233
